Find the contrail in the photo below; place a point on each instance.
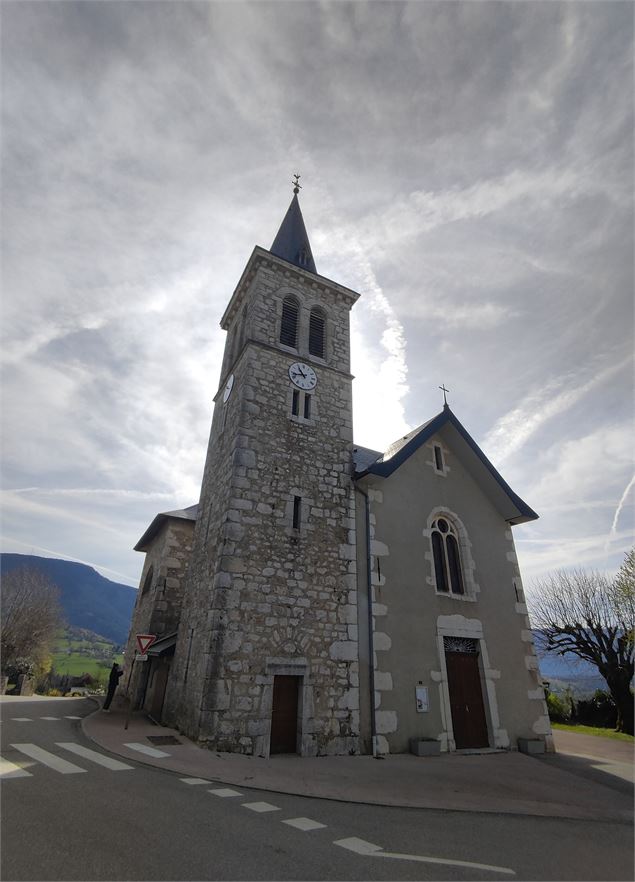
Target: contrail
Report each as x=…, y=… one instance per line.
x=618, y=511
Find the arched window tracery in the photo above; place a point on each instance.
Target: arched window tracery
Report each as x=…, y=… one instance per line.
x=446, y=555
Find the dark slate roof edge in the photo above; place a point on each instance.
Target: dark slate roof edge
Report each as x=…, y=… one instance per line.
x=386, y=468
x=180, y=514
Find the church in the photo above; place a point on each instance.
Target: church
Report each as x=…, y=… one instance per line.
x=323, y=598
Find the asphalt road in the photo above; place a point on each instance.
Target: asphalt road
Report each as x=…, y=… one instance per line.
x=86, y=821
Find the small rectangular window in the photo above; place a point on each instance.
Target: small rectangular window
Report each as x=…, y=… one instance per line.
x=307, y=407
x=438, y=458
x=297, y=512
x=295, y=405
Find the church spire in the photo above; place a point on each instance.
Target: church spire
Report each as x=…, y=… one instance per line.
x=292, y=241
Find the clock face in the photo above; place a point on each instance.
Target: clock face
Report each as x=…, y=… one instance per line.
x=229, y=385
x=302, y=375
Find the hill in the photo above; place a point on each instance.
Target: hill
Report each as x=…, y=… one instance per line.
x=569, y=671
x=88, y=599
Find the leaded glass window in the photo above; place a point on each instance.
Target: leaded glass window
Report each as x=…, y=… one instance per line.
x=447, y=557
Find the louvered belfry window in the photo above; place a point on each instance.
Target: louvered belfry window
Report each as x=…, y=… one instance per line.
x=317, y=326
x=289, y=323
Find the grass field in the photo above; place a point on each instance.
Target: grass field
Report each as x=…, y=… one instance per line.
x=82, y=664
x=78, y=652
x=594, y=730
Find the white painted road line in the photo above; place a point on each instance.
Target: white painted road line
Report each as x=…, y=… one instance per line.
x=92, y=755
x=143, y=748
x=261, y=806
x=22, y=719
x=48, y=759
x=225, y=792
x=10, y=770
x=194, y=781
x=368, y=849
x=304, y=824
x=72, y=718
x=50, y=718
x=359, y=846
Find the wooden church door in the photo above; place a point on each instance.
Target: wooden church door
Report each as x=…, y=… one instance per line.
x=466, y=699
x=284, y=715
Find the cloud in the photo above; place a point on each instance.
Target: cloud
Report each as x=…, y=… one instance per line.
x=468, y=168
x=515, y=428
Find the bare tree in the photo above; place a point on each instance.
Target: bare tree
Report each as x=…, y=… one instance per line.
x=30, y=616
x=585, y=614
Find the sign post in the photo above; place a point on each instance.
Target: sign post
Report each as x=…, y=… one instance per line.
x=144, y=642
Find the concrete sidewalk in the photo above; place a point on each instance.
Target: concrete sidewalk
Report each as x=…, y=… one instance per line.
x=491, y=782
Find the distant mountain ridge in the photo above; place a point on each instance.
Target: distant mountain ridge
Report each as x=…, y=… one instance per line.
x=88, y=599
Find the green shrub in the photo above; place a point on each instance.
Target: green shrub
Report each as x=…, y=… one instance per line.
x=559, y=708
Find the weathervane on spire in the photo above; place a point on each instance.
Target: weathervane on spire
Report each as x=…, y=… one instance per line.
x=297, y=186
x=445, y=400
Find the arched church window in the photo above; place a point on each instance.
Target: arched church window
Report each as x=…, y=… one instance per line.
x=147, y=582
x=289, y=322
x=317, y=328
x=447, y=557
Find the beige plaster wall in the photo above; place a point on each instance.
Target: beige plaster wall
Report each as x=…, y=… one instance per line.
x=411, y=617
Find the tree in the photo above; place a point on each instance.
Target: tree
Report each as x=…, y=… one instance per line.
x=30, y=617
x=585, y=614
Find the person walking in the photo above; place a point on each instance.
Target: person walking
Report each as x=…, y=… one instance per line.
x=113, y=682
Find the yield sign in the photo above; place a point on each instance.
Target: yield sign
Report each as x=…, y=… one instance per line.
x=144, y=641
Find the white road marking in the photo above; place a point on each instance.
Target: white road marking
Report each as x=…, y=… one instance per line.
x=48, y=759
x=304, y=824
x=143, y=748
x=10, y=770
x=225, y=792
x=50, y=718
x=22, y=719
x=92, y=755
x=72, y=718
x=261, y=806
x=368, y=849
x=194, y=781
x=359, y=846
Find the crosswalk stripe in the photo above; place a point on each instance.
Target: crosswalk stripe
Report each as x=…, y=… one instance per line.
x=72, y=718
x=260, y=806
x=10, y=770
x=194, y=781
x=22, y=719
x=92, y=755
x=48, y=759
x=50, y=718
x=143, y=748
x=225, y=792
x=304, y=824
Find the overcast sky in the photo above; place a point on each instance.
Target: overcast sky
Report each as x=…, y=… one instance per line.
x=467, y=167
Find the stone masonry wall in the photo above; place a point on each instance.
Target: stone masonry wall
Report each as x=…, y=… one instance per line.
x=158, y=609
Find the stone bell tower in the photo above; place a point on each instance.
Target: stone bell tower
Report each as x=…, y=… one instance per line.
x=267, y=653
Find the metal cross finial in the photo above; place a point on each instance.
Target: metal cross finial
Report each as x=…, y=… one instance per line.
x=445, y=400
x=297, y=186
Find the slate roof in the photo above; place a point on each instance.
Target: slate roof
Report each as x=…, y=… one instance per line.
x=183, y=514
x=163, y=646
x=292, y=241
x=363, y=457
x=511, y=506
